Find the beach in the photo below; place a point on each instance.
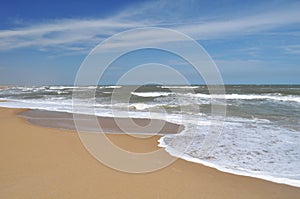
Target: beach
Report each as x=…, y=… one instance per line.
x=40, y=162
x=150, y=99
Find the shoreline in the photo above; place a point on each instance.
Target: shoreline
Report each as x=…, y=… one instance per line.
x=43, y=162
x=64, y=121
x=283, y=181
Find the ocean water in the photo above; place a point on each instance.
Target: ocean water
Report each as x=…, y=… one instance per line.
x=260, y=135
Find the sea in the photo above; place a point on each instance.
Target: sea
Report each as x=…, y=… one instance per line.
x=260, y=134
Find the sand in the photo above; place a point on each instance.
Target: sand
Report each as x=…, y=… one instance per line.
x=3, y=87
x=39, y=162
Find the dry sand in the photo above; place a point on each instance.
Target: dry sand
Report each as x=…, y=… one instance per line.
x=39, y=162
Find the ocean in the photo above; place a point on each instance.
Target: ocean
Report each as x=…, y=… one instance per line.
x=260, y=135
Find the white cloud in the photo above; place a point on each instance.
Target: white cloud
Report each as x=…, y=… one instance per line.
x=249, y=24
x=81, y=34
x=61, y=32
x=292, y=49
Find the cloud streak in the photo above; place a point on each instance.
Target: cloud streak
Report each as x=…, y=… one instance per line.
x=65, y=32
x=78, y=35
x=292, y=49
x=246, y=25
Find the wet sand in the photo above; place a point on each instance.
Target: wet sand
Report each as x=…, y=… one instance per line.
x=63, y=120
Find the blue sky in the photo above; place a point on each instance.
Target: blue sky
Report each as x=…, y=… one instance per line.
x=252, y=42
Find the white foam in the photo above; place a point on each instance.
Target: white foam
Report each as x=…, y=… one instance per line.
x=151, y=94
x=180, y=87
x=290, y=98
x=110, y=86
x=140, y=106
x=248, y=173
x=249, y=147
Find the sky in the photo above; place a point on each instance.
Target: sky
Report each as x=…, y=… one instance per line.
x=251, y=42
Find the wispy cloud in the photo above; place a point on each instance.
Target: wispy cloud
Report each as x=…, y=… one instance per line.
x=69, y=33
x=292, y=49
x=245, y=25
x=78, y=35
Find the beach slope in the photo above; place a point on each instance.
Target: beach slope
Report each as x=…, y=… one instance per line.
x=39, y=162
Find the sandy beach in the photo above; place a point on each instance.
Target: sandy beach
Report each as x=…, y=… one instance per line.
x=40, y=162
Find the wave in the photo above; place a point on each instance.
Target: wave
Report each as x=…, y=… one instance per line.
x=58, y=87
x=151, y=94
x=276, y=97
x=141, y=106
x=290, y=98
x=62, y=87
x=110, y=87
x=272, y=97
x=180, y=87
